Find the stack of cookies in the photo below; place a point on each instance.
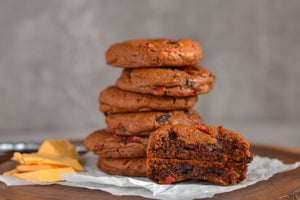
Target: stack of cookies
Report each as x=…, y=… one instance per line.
x=158, y=87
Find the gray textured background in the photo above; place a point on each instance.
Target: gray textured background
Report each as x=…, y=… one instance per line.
x=52, y=64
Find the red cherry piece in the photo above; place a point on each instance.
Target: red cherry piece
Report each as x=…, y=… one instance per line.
x=194, y=92
x=133, y=140
x=195, y=46
x=148, y=45
x=169, y=180
x=118, y=125
x=230, y=177
x=180, y=92
x=187, y=68
x=172, y=50
x=228, y=165
x=158, y=61
x=99, y=146
x=240, y=145
x=204, y=129
x=161, y=89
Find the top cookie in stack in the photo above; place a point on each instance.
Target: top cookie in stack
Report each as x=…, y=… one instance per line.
x=159, y=52
x=158, y=87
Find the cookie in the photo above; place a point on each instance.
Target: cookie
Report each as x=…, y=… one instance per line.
x=159, y=52
x=182, y=152
x=184, y=81
x=143, y=123
x=108, y=145
x=193, y=142
x=126, y=167
x=115, y=100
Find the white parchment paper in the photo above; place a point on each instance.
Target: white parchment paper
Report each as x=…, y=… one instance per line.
x=262, y=168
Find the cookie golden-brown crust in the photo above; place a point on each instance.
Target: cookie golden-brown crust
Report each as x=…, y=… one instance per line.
x=126, y=167
x=158, y=52
x=108, y=145
x=183, y=81
x=143, y=123
x=115, y=100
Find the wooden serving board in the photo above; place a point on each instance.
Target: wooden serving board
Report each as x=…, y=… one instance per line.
x=281, y=186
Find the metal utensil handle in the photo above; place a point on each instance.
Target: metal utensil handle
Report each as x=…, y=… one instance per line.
x=9, y=147
x=20, y=147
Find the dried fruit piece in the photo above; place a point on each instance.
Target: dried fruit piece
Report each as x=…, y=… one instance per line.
x=172, y=50
x=133, y=140
x=169, y=180
x=204, y=129
x=148, y=45
x=161, y=89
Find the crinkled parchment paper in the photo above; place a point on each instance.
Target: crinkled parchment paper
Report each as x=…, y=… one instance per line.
x=262, y=168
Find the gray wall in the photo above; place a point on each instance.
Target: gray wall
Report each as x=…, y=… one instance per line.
x=52, y=64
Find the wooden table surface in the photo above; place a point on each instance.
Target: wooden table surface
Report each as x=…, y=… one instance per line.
x=281, y=186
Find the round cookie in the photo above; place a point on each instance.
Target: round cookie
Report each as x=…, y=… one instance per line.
x=158, y=52
x=183, y=81
x=115, y=100
x=108, y=145
x=126, y=167
x=143, y=123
